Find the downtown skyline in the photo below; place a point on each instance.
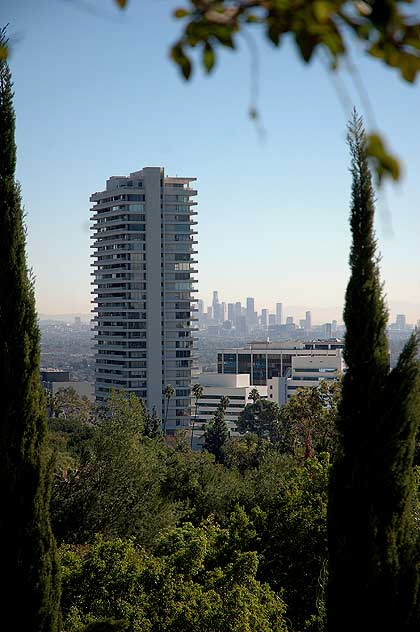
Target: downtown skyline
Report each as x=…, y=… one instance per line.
x=319, y=314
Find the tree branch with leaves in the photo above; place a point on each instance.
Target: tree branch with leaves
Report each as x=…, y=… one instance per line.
x=385, y=31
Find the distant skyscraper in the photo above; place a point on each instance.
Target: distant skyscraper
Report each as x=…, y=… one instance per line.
x=279, y=313
x=223, y=312
x=241, y=326
x=308, y=321
x=401, y=322
x=238, y=312
x=328, y=330
x=216, y=306
x=250, y=310
x=144, y=253
x=264, y=318
x=231, y=312
x=334, y=327
x=200, y=307
x=271, y=319
x=289, y=320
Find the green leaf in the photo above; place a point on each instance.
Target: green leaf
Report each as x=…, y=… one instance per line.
x=409, y=66
x=322, y=10
x=223, y=34
x=306, y=44
x=180, y=13
x=376, y=51
x=334, y=43
x=208, y=57
x=273, y=33
x=180, y=58
x=412, y=42
x=384, y=163
x=253, y=19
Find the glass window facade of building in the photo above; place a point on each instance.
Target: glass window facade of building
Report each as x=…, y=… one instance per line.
x=264, y=361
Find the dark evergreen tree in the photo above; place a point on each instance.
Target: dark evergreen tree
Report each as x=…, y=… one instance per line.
x=216, y=434
x=152, y=424
x=372, y=548
x=30, y=592
x=260, y=417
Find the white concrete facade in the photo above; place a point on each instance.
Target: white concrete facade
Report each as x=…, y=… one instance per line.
x=215, y=386
x=144, y=264
x=277, y=390
x=309, y=371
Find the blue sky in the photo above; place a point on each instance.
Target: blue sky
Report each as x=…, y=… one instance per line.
x=96, y=95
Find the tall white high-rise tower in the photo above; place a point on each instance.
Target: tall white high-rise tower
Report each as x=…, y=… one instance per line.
x=144, y=257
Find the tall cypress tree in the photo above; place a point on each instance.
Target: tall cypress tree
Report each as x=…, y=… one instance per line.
x=372, y=542
x=30, y=586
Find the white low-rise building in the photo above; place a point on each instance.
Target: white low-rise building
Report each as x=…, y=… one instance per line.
x=305, y=371
x=311, y=370
x=236, y=387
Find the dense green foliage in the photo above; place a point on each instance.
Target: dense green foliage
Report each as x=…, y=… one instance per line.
x=29, y=566
x=373, y=538
x=307, y=424
x=260, y=417
x=198, y=579
x=114, y=486
x=260, y=506
x=304, y=426
x=70, y=427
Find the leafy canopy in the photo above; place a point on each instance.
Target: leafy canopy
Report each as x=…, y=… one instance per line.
x=198, y=580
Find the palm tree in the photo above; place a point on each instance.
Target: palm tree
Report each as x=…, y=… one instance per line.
x=254, y=395
x=197, y=391
x=168, y=392
x=224, y=403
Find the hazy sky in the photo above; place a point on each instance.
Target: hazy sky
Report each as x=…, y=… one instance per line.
x=96, y=95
